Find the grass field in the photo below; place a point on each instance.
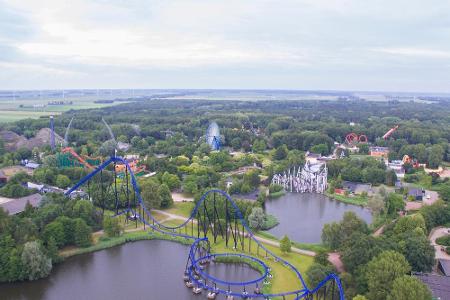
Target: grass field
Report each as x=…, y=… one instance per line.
x=181, y=208
x=11, y=110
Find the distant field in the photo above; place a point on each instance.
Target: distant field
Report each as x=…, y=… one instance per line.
x=11, y=115
x=11, y=110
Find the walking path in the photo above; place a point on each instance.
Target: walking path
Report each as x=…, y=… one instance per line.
x=439, y=250
x=259, y=238
x=179, y=197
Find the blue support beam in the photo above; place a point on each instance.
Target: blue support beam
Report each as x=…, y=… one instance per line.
x=193, y=260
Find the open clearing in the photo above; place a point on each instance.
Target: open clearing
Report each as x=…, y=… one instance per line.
x=15, y=110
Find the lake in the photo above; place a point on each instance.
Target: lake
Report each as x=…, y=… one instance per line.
x=302, y=216
x=150, y=270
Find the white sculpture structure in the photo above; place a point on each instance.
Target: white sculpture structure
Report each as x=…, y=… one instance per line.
x=311, y=178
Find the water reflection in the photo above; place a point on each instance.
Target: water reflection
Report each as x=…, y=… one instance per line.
x=150, y=270
x=302, y=216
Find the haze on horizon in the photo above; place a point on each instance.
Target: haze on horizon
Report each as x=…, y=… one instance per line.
x=257, y=44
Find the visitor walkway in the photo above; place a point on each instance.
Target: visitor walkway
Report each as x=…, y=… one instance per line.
x=259, y=238
x=439, y=250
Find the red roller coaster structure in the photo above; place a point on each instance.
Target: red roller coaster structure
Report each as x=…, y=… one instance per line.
x=390, y=132
x=352, y=138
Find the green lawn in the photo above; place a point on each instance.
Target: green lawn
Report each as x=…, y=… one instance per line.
x=11, y=111
x=16, y=115
x=355, y=199
x=181, y=208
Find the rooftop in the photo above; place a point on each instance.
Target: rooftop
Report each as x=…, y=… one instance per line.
x=444, y=266
x=438, y=285
x=15, y=206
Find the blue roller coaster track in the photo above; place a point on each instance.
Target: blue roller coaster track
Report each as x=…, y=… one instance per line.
x=215, y=214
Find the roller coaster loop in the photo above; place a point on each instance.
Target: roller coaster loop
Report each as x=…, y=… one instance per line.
x=215, y=214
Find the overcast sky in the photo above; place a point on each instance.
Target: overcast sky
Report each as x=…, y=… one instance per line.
x=390, y=45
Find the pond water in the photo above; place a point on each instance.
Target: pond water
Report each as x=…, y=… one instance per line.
x=150, y=270
x=302, y=216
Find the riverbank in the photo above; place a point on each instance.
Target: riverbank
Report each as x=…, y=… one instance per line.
x=105, y=242
x=301, y=259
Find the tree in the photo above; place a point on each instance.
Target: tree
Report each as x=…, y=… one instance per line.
x=259, y=146
x=190, y=184
x=149, y=193
x=417, y=250
x=435, y=155
x=252, y=178
x=363, y=148
x=435, y=214
x=410, y=223
x=381, y=272
x=281, y=152
x=171, y=180
x=317, y=272
x=358, y=250
x=69, y=229
x=394, y=203
x=236, y=143
x=84, y=209
x=391, y=178
x=408, y=287
x=376, y=204
x=444, y=192
x=331, y=235
x=285, y=244
x=257, y=218
x=352, y=223
x=55, y=230
x=165, y=196
x=82, y=233
x=62, y=181
x=36, y=263
x=373, y=175
x=322, y=149
x=112, y=227
x=52, y=250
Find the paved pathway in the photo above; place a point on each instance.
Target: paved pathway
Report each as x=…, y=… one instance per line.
x=179, y=197
x=379, y=231
x=437, y=233
x=261, y=239
x=335, y=259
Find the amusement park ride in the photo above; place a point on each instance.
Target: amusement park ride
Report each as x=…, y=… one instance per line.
x=68, y=157
x=390, y=132
x=212, y=136
x=215, y=218
x=311, y=178
x=352, y=138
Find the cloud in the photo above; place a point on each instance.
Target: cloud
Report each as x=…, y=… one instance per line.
x=264, y=43
x=415, y=52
